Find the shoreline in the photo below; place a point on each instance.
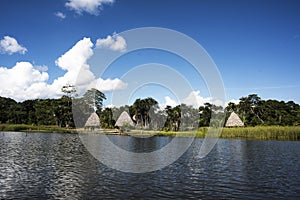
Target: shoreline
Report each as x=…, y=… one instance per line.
x=280, y=133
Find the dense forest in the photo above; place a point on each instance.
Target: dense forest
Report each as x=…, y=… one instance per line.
x=144, y=112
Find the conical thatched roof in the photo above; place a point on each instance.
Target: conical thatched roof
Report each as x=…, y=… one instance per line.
x=124, y=119
x=93, y=121
x=234, y=120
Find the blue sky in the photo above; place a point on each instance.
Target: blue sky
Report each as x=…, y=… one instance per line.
x=255, y=44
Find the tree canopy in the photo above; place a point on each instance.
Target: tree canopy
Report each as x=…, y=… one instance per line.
x=145, y=113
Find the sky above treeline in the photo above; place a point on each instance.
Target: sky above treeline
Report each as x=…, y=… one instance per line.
x=47, y=44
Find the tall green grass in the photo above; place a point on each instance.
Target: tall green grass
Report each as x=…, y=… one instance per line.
x=263, y=133
x=33, y=128
x=259, y=132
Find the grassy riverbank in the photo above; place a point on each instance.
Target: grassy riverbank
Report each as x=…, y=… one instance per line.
x=254, y=133
x=263, y=133
x=259, y=132
x=34, y=128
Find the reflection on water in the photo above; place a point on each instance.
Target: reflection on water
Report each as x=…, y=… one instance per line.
x=41, y=165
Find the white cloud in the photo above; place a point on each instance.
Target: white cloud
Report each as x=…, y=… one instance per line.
x=114, y=42
x=168, y=101
x=74, y=62
x=195, y=99
x=25, y=81
x=60, y=15
x=90, y=6
x=108, y=84
x=10, y=45
x=77, y=56
x=78, y=72
x=42, y=68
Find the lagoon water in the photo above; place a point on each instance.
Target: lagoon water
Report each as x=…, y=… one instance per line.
x=58, y=166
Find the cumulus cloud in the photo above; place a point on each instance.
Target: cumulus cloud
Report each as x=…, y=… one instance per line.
x=77, y=56
x=195, y=99
x=42, y=68
x=108, y=84
x=25, y=81
x=74, y=62
x=78, y=72
x=10, y=45
x=90, y=6
x=168, y=101
x=60, y=15
x=114, y=42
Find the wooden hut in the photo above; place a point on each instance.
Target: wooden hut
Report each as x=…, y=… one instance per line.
x=124, y=120
x=234, y=120
x=92, y=122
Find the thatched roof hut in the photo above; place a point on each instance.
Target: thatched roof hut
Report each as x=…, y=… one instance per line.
x=93, y=121
x=234, y=120
x=124, y=119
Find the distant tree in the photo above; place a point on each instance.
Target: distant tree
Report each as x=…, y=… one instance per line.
x=189, y=117
x=7, y=106
x=205, y=114
x=107, y=119
x=44, y=112
x=63, y=112
x=81, y=112
x=29, y=111
x=173, y=121
x=94, y=98
x=142, y=109
x=250, y=108
x=231, y=107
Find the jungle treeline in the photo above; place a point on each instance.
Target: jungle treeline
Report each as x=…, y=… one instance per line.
x=145, y=113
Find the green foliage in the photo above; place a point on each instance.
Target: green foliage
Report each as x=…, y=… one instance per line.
x=205, y=114
x=60, y=112
x=142, y=109
x=106, y=118
x=254, y=111
x=94, y=98
x=173, y=121
x=33, y=128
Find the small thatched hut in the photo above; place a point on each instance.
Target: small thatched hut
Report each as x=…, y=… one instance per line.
x=93, y=121
x=234, y=120
x=124, y=120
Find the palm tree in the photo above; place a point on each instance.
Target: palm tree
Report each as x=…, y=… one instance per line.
x=173, y=121
x=141, y=110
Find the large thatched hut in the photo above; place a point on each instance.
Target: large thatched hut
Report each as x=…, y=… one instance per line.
x=234, y=120
x=124, y=120
x=93, y=121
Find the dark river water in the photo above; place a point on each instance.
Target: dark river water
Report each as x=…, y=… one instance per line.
x=58, y=166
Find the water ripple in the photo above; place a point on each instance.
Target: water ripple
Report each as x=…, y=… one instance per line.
x=57, y=166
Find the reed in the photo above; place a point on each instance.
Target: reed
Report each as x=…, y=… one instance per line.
x=33, y=128
x=263, y=133
x=291, y=133
x=258, y=133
